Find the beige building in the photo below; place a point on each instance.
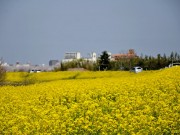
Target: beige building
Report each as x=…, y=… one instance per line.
x=130, y=54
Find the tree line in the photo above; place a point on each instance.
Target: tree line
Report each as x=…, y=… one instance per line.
x=105, y=63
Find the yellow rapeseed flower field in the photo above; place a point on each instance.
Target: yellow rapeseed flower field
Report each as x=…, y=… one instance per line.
x=92, y=103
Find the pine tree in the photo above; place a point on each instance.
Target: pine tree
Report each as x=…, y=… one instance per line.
x=104, y=61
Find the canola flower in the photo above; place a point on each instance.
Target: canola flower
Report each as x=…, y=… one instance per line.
x=93, y=103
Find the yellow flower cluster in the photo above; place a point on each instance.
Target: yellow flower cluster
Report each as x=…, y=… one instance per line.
x=93, y=103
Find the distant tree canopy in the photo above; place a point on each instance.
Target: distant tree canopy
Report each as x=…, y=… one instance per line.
x=146, y=62
x=2, y=73
x=104, y=61
x=87, y=65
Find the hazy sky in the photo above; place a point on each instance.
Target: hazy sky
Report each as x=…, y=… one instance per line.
x=39, y=30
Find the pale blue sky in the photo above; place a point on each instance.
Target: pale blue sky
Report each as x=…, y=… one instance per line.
x=39, y=30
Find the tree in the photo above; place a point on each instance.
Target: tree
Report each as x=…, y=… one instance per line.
x=159, y=62
x=104, y=61
x=2, y=72
x=172, y=57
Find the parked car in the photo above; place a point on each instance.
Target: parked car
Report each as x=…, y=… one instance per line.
x=137, y=69
x=34, y=71
x=174, y=64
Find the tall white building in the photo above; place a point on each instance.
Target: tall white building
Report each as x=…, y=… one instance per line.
x=110, y=55
x=70, y=56
x=92, y=58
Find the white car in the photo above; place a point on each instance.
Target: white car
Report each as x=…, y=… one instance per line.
x=174, y=64
x=35, y=71
x=137, y=69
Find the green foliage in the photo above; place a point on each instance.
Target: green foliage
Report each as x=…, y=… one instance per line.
x=146, y=62
x=104, y=61
x=87, y=65
x=2, y=74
